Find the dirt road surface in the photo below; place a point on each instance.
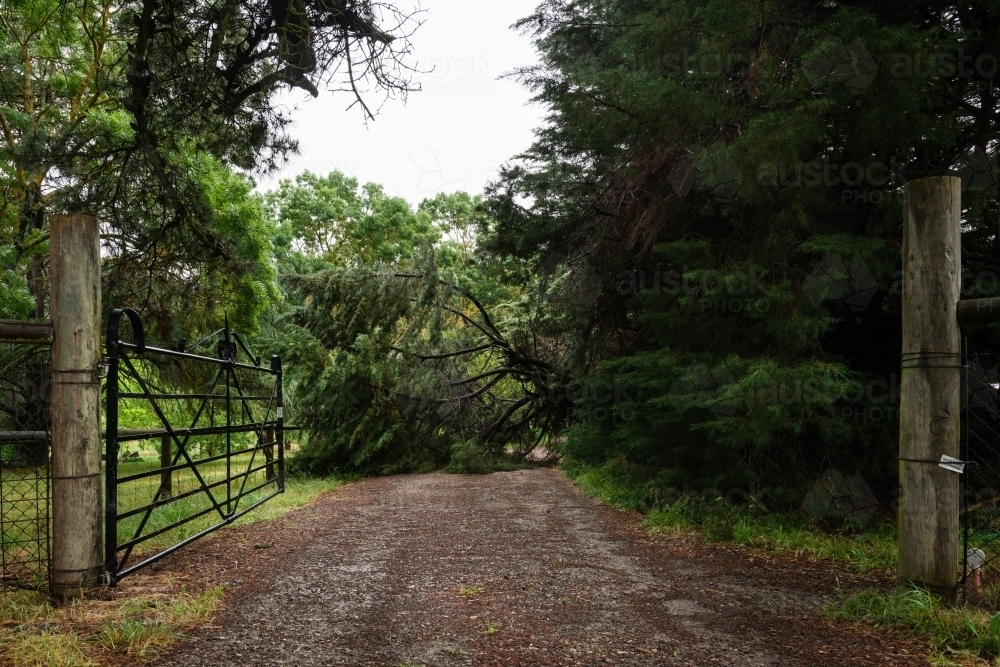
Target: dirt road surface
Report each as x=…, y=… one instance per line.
x=507, y=569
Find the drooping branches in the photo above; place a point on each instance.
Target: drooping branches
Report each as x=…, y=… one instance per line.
x=206, y=73
x=430, y=356
x=113, y=108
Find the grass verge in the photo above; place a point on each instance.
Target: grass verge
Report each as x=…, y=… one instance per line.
x=957, y=634
x=35, y=633
x=872, y=551
x=139, y=494
x=87, y=631
x=748, y=523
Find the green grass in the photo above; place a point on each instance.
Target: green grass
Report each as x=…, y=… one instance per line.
x=957, y=635
x=297, y=492
x=469, y=591
x=954, y=631
x=48, y=648
x=21, y=542
x=492, y=626
x=36, y=633
x=142, y=627
x=750, y=524
x=872, y=551
x=609, y=484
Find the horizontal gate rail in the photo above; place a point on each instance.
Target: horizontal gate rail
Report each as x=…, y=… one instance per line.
x=193, y=357
x=181, y=466
x=131, y=435
x=187, y=494
x=146, y=517
x=219, y=397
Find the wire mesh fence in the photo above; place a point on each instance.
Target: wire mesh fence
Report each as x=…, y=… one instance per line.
x=980, y=518
x=24, y=465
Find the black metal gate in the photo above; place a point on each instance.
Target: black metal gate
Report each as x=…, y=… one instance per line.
x=215, y=423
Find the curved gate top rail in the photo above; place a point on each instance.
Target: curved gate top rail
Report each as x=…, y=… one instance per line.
x=217, y=419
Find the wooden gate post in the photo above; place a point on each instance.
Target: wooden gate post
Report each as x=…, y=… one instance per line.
x=930, y=399
x=75, y=253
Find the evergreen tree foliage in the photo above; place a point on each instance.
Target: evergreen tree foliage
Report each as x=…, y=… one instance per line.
x=138, y=112
x=731, y=173
x=406, y=349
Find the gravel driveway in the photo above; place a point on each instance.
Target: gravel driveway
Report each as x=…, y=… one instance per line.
x=508, y=569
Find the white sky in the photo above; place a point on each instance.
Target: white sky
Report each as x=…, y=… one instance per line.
x=454, y=134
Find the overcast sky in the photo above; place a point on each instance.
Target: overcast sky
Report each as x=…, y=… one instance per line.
x=451, y=136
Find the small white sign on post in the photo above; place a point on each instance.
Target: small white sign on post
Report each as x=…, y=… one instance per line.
x=952, y=464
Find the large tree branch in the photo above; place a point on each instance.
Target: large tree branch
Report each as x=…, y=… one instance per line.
x=479, y=392
x=468, y=350
x=499, y=341
x=495, y=371
x=507, y=414
x=445, y=355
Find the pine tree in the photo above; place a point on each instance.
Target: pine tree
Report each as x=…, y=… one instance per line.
x=732, y=174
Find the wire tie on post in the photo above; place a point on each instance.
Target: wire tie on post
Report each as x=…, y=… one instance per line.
x=93, y=474
x=95, y=375
x=947, y=462
x=926, y=359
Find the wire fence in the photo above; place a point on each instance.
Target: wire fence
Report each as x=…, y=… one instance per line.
x=24, y=465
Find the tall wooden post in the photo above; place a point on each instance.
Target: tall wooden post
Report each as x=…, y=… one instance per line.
x=76, y=402
x=930, y=400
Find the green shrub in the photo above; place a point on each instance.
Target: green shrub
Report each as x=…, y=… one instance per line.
x=469, y=457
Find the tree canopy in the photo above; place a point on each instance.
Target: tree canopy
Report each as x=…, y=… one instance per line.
x=407, y=348
x=692, y=272
x=138, y=112
x=731, y=173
